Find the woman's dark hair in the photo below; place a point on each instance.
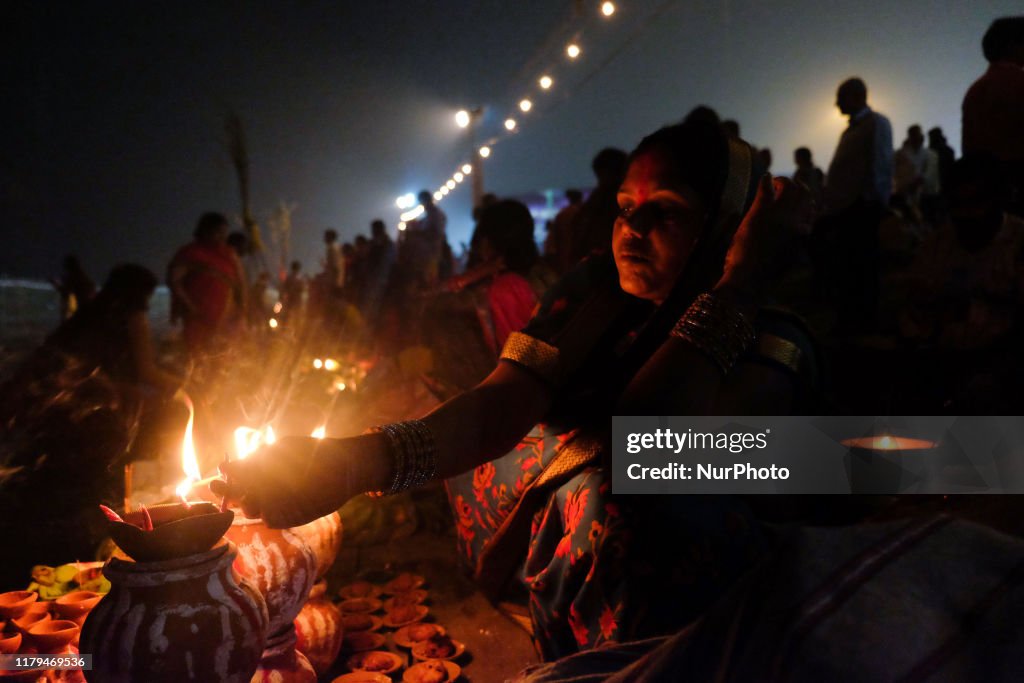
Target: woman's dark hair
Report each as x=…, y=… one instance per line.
x=699, y=154
x=208, y=225
x=126, y=291
x=128, y=288
x=508, y=228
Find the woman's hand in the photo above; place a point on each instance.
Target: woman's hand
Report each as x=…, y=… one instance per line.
x=299, y=479
x=780, y=211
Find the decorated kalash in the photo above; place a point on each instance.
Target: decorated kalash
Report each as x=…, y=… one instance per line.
x=194, y=591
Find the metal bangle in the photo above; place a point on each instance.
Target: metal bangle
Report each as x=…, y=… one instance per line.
x=414, y=450
x=717, y=329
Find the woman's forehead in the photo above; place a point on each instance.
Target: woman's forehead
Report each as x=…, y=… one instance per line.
x=653, y=172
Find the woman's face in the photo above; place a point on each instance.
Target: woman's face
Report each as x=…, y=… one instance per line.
x=659, y=221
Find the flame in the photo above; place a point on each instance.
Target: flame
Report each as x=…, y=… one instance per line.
x=320, y=432
x=273, y=323
x=189, y=463
x=182, y=490
x=888, y=442
x=330, y=365
x=340, y=386
x=248, y=440
x=277, y=307
x=317, y=363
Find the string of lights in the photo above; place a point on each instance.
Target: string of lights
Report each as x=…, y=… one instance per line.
x=544, y=83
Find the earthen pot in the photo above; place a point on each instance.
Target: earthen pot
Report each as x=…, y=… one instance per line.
x=186, y=619
x=279, y=564
x=318, y=629
x=323, y=535
x=282, y=663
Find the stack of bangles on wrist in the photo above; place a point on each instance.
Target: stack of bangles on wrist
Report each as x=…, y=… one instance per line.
x=414, y=452
x=717, y=329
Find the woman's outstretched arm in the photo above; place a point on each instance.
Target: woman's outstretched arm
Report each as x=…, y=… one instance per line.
x=300, y=478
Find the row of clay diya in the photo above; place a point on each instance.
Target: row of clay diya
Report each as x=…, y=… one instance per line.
x=404, y=611
x=29, y=626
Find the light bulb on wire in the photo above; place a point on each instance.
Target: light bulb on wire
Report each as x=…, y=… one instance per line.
x=573, y=50
x=545, y=82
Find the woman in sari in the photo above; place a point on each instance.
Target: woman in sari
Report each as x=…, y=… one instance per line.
x=208, y=286
x=672, y=325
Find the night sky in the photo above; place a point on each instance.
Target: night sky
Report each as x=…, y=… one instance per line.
x=113, y=114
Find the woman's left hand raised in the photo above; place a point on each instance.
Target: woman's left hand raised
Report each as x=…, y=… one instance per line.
x=755, y=258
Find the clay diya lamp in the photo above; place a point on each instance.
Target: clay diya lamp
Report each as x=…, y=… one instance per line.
x=29, y=619
x=431, y=670
x=878, y=464
x=413, y=597
x=403, y=583
x=166, y=532
x=361, y=641
x=54, y=636
x=362, y=677
x=13, y=604
x=75, y=606
x=9, y=643
x=378, y=661
x=441, y=647
x=403, y=616
x=360, y=621
x=360, y=605
x=409, y=636
x=360, y=589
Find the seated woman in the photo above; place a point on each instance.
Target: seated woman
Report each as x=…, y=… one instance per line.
x=467, y=326
x=672, y=325
x=71, y=413
x=112, y=334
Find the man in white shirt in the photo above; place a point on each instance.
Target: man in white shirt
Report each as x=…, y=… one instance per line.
x=856, y=196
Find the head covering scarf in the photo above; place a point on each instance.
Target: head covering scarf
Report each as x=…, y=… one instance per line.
x=731, y=198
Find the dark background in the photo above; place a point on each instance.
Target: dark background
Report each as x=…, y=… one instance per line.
x=113, y=139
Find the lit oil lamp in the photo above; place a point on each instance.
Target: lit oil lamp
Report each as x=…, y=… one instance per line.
x=878, y=464
x=180, y=588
